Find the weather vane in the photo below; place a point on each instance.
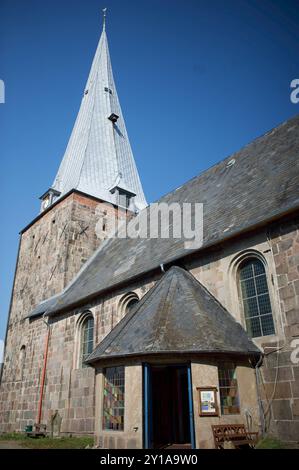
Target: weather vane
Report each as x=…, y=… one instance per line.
x=104, y=17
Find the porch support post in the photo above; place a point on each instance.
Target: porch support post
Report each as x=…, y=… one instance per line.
x=147, y=406
x=191, y=414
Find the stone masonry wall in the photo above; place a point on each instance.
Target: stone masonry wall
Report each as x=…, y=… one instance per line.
x=281, y=369
x=278, y=246
x=69, y=388
x=52, y=250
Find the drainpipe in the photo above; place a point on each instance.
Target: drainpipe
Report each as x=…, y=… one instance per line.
x=260, y=406
x=40, y=402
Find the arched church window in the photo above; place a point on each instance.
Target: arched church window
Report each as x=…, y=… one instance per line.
x=87, y=335
x=255, y=298
x=131, y=304
x=127, y=302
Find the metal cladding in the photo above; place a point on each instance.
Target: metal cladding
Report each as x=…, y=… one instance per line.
x=99, y=155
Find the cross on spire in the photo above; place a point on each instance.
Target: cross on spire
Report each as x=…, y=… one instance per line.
x=104, y=18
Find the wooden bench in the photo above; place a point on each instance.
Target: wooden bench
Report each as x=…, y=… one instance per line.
x=235, y=433
x=38, y=431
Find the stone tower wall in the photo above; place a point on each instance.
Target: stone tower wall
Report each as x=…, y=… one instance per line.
x=52, y=250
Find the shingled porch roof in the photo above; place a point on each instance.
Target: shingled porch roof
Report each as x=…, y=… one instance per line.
x=178, y=315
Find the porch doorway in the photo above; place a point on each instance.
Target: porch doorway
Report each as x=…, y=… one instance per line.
x=168, y=407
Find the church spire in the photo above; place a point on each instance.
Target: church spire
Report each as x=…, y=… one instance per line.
x=98, y=159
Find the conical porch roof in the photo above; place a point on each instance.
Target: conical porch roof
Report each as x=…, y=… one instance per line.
x=178, y=315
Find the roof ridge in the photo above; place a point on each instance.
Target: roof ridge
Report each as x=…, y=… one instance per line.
x=228, y=157
x=93, y=109
x=164, y=307
x=130, y=315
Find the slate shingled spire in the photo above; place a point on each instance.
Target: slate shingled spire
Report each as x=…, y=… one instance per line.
x=98, y=157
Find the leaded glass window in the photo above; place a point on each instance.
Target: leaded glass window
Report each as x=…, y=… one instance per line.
x=256, y=299
x=87, y=333
x=114, y=398
x=228, y=389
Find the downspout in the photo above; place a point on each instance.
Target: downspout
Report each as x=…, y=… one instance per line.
x=42, y=386
x=261, y=411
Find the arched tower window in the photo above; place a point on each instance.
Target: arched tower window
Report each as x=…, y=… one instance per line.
x=22, y=362
x=255, y=297
x=87, y=335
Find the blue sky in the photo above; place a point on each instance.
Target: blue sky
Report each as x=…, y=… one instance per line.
x=197, y=80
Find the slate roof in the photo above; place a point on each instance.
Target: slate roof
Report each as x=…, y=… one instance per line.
x=178, y=315
x=44, y=306
x=99, y=153
x=251, y=187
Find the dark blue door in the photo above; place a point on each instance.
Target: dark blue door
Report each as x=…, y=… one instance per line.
x=154, y=408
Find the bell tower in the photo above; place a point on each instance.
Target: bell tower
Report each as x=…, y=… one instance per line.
x=97, y=175
x=97, y=168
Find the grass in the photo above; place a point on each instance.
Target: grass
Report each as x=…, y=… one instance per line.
x=271, y=443
x=12, y=436
x=83, y=442
x=61, y=443
x=49, y=443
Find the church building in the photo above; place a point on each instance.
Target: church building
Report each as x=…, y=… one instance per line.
x=144, y=342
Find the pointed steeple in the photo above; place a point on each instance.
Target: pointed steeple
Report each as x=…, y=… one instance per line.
x=98, y=159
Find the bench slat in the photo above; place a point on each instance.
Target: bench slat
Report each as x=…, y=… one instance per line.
x=236, y=433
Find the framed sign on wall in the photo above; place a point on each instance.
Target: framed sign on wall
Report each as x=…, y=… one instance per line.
x=208, y=405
